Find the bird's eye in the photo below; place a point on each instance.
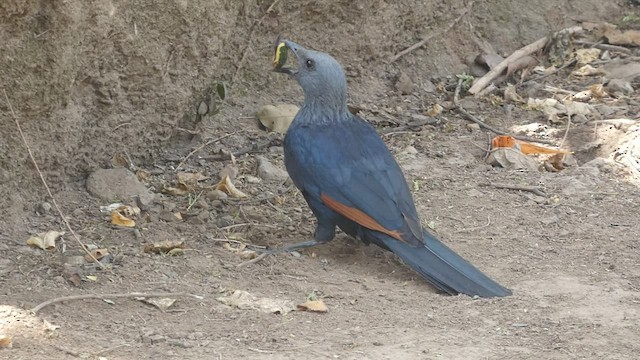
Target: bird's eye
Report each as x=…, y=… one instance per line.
x=310, y=64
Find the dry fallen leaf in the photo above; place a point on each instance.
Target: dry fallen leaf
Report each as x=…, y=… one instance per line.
x=511, y=95
x=6, y=341
x=164, y=247
x=587, y=70
x=555, y=163
x=120, y=220
x=434, y=110
x=190, y=179
x=119, y=160
x=313, y=306
x=45, y=240
x=277, y=118
x=97, y=253
x=178, y=190
x=227, y=186
x=143, y=175
x=506, y=141
x=586, y=56
x=111, y=207
x=597, y=90
x=245, y=301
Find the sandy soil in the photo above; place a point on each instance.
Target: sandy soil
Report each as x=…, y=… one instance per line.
x=95, y=80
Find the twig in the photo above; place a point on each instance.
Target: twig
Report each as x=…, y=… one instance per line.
x=566, y=132
x=527, y=50
x=36, y=309
x=256, y=147
x=422, y=42
x=260, y=350
x=248, y=224
x=202, y=147
x=469, y=116
x=477, y=227
x=601, y=46
x=44, y=182
x=254, y=260
x=121, y=125
x=417, y=125
x=531, y=189
x=273, y=4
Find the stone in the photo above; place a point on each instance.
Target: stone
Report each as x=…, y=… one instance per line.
x=620, y=86
x=404, y=84
x=216, y=195
x=268, y=171
x=117, y=184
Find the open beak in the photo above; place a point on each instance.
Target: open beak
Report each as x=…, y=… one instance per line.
x=282, y=49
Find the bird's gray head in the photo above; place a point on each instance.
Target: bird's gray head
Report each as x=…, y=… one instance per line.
x=320, y=76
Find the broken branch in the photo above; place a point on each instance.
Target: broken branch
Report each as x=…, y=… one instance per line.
x=525, y=51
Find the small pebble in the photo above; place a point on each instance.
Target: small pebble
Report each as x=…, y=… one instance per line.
x=216, y=195
x=44, y=207
x=473, y=127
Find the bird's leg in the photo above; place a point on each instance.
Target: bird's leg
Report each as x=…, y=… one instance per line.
x=325, y=232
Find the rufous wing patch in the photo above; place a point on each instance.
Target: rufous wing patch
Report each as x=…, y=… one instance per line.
x=358, y=216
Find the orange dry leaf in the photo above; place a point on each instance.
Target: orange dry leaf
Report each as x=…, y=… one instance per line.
x=6, y=341
x=118, y=219
x=506, y=141
x=313, y=306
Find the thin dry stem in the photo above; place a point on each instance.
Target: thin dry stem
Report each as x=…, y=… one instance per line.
x=44, y=182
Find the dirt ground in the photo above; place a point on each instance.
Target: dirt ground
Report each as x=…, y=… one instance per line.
x=96, y=80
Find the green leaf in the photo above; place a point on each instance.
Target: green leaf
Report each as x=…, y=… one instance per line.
x=222, y=90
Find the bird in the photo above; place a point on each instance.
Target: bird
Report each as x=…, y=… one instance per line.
x=350, y=179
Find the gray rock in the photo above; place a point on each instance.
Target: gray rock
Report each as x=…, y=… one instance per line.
x=216, y=195
x=404, y=84
x=225, y=221
x=268, y=171
x=620, y=86
x=429, y=87
x=44, y=207
x=117, y=184
x=168, y=216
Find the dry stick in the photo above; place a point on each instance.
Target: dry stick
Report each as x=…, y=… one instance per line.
x=469, y=116
x=527, y=50
x=202, y=147
x=254, y=260
x=609, y=47
x=531, y=189
x=110, y=296
x=422, y=42
x=566, y=132
x=44, y=182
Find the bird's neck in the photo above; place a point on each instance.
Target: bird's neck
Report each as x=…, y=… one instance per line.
x=326, y=108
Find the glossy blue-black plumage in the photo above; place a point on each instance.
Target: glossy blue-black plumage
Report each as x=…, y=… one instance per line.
x=330, y=152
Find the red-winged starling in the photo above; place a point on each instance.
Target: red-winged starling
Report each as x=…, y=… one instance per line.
x=351, y=180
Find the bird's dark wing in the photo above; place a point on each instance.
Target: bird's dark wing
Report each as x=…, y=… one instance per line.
x=349, y=168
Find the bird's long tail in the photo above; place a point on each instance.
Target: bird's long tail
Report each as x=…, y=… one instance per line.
x=443, y=268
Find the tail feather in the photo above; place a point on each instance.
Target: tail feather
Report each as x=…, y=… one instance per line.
x=445, y=269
